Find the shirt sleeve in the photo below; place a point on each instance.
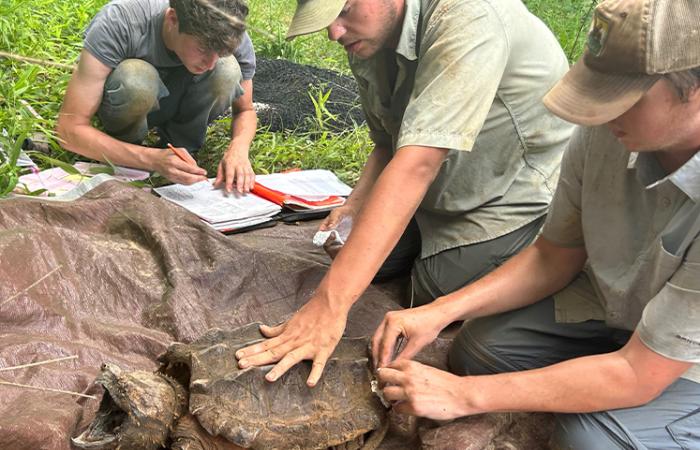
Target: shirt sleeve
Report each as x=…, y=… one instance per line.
x=563, y=226
x=461, y=60
x=670, y=322
x=245, y=55
x=108, y=36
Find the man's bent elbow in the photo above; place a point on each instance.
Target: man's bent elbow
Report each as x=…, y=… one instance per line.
x=423, y=163
x=640, y=386
x=63, y=131
x=66, y=132
x=650, y=391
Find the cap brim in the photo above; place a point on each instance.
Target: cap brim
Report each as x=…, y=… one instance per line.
x=588, y=97
x=313, y=15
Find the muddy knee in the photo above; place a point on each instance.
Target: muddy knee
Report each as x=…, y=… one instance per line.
x=225, y=80
x=133, y=88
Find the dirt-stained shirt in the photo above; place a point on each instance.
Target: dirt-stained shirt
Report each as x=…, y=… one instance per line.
x=125, y=29
x=640, y=228
x=469, y=76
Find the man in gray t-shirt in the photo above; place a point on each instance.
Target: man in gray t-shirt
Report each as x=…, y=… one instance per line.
x=174, y=66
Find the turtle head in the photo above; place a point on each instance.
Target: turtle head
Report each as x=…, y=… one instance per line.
x=137, y=410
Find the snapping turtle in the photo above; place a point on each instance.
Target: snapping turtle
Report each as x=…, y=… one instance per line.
x=233, y=408
x=137, y=411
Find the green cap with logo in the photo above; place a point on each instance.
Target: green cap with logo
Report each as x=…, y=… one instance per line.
x=631, y=44
x=313, y=15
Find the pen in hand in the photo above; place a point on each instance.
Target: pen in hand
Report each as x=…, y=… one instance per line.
x=183, y=155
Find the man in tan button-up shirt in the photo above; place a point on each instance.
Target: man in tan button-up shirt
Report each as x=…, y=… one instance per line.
x=599, y=320
x=464, y=151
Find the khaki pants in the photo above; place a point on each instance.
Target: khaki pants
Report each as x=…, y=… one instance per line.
x=137, y=97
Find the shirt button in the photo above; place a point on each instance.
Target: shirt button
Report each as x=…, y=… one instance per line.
x=666, y=202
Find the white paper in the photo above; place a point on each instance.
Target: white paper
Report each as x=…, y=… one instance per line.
x=74, y=193
x=308, y=184
x=215, y=205
x=23, y=160
x=120, y=173
x=236, y=224
x=56, y=181
x=321, y=237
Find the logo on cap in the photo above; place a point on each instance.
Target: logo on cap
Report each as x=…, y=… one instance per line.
x=598, y=34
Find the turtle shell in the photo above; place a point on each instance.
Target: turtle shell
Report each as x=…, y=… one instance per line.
x=245, y=409
x=188, y=434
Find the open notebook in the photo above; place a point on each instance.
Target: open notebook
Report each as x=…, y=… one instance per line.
x=304, y=190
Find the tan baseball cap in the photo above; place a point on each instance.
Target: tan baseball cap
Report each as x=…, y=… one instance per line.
x=630, y=45
x=313, y=15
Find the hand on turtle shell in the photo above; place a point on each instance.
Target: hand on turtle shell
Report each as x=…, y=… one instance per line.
x=425, y=391
x=418, y=326
x=311, y=334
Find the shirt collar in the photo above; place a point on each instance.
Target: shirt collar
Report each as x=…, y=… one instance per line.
x=650, y=174
x=409, y=30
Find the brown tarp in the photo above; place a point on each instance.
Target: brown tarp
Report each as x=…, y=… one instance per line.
x=118, y=275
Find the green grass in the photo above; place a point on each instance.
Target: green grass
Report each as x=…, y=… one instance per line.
x=51, y=30
x=568, y=19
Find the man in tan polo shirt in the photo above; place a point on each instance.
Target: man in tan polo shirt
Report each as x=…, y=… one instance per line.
x=465, y=153
x=599, y=320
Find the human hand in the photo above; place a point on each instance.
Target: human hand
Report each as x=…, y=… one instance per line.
x=235, y=167
x=336, y=216
x=172, y=165
x=425, y=391
x=340, y=220
x=418, y=326
x=312, y=333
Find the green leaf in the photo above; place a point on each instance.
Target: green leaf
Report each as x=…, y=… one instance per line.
x=36, y=193
x=101, y=169
x=68, y=168
x=138, y=184
x=112, y=167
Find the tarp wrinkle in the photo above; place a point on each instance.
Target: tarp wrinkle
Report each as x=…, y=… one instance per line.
x=131, y=274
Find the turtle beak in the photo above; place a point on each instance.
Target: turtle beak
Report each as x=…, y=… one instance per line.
x=103, y=430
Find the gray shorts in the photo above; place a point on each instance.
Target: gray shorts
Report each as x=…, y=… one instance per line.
x=529, y=338
x=137, y=97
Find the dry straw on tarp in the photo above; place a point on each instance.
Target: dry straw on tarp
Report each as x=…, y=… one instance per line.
x=39, y=388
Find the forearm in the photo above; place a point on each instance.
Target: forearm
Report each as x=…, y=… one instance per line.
x=587, y=384
x=538, y=271
x=92, y=143
x=384, y=216
x=376, y=162
x=243, y=126
x=81, y=102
